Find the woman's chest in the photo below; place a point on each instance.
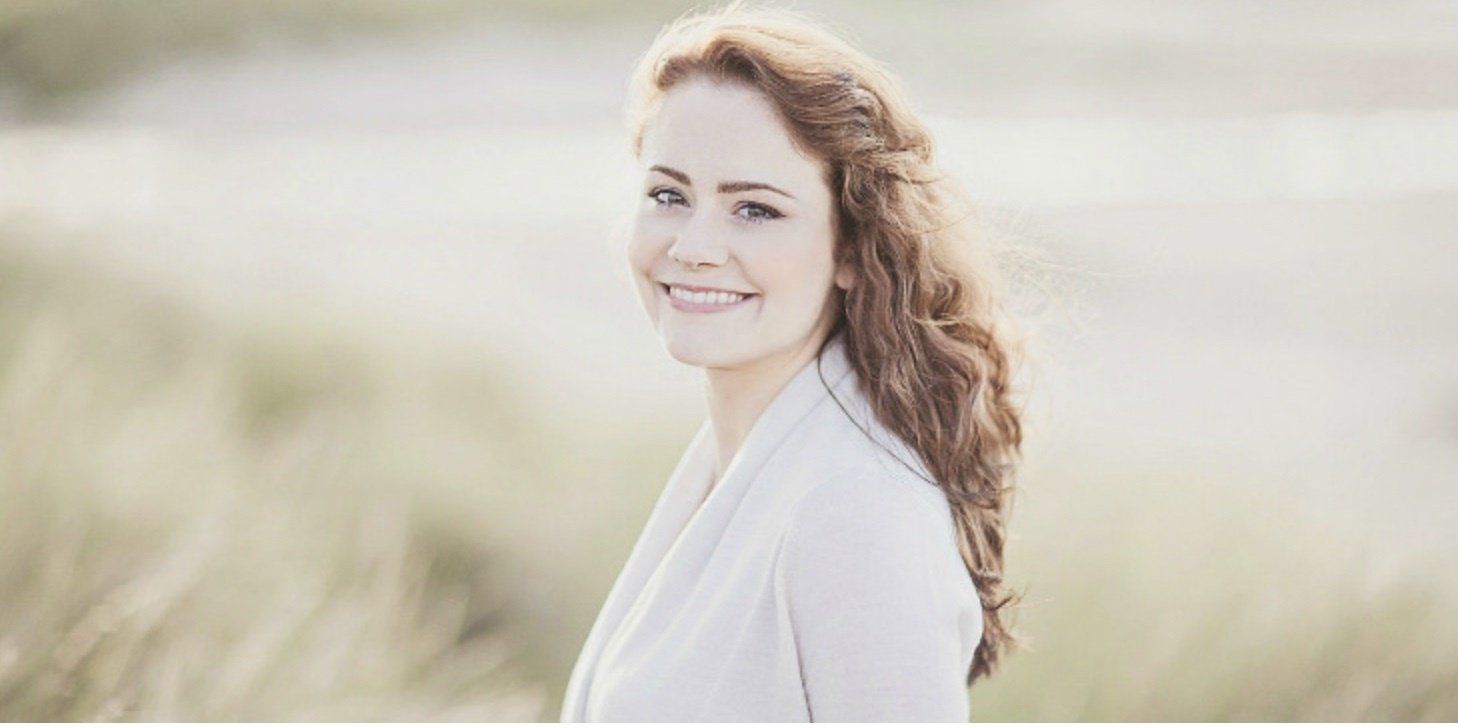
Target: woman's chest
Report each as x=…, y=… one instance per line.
x=713, y=666
x=707, y=637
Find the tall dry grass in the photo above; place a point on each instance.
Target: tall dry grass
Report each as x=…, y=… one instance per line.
x=225, y=520
x=1155, y=592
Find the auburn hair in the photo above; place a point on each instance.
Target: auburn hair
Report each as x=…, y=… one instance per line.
x=924, y=327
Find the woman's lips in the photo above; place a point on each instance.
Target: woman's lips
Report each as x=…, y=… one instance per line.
x=702, y=307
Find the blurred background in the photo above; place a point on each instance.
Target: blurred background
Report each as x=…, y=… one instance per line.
x=324, y=394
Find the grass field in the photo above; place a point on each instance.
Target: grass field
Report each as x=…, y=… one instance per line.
x=262, y=516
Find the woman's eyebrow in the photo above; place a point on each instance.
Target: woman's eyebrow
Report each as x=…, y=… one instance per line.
x=745, y=186
x=735, y=186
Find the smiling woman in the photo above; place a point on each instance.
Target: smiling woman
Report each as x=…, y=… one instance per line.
x=830, y=545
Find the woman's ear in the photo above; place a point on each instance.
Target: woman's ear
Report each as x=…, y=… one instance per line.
x=845, y=277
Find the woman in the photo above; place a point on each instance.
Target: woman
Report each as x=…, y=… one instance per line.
x=830, y=545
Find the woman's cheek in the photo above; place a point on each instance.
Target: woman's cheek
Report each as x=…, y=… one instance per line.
x=776, y=263
x=641, y=249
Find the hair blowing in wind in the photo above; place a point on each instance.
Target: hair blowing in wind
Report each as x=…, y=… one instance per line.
x=925, y=327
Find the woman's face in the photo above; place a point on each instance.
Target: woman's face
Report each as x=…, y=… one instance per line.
x=731, y=246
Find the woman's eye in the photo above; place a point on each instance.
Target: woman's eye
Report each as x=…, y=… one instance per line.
x=760, y=213
x=664, y=196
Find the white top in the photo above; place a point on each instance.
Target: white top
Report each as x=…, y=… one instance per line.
x=820, y=580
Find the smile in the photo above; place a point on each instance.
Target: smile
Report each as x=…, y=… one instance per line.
x=703, y=300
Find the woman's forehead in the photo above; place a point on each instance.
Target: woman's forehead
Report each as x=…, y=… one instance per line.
x=722, y=131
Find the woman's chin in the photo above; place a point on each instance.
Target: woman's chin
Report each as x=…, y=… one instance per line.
x=698, y=351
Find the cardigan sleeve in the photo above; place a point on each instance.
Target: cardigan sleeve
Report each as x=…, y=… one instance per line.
x=871, y=607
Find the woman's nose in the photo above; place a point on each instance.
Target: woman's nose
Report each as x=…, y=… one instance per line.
x=698, y=243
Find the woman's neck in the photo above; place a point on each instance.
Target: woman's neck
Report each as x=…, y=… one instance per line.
x=738, y=396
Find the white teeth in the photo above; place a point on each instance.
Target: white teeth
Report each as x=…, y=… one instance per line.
x=705, y=297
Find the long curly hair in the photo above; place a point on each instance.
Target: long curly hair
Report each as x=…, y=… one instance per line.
x=925, y=329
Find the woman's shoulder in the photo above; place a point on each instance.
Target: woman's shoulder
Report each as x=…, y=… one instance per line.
x=859, y=538
x=866, y=469
x=865, y=498
x=869, y=496
x=868, y=525
x=856, y=479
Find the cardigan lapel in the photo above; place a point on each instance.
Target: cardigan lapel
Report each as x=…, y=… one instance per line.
x=681, y=532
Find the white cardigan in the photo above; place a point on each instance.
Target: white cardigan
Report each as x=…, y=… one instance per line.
x=819, y=581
